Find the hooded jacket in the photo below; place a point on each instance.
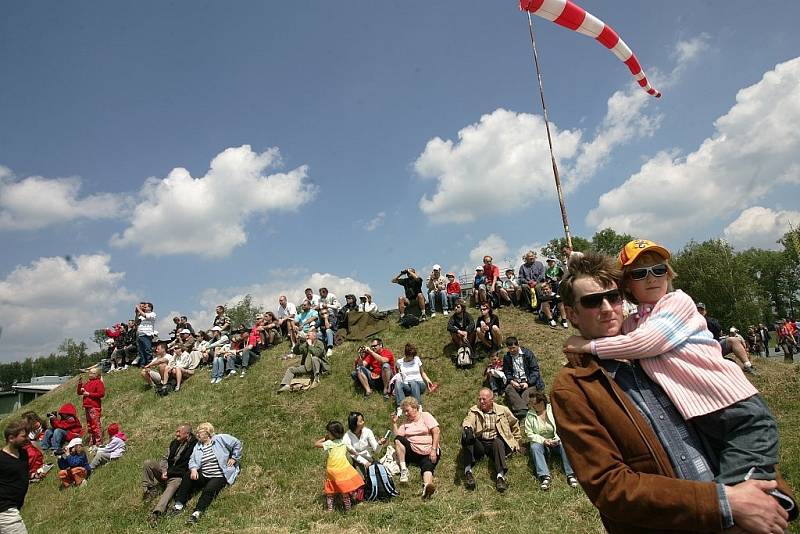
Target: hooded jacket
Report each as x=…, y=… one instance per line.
x=68, y=421
x=96, y=391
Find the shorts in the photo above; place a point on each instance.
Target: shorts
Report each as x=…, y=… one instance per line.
x=374, y=383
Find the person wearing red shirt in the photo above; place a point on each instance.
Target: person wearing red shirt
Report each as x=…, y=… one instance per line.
x=453, y=291
x=93, y=391
x=492, y=274
x=375, y=367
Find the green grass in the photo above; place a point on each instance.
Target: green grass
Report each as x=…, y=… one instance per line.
x=280, y=485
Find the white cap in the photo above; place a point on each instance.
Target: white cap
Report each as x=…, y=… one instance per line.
x=216, y=328
x=73, y=442
x=733, y=330
x=437, y=267
x=185, y=331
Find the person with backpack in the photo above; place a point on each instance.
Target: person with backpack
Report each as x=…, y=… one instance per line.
x=462, y=333
x=361, y=444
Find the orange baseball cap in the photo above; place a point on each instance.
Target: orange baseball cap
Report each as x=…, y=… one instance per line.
x=632, y=250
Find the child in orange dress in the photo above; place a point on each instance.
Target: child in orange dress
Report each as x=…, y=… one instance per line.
x=342, y=478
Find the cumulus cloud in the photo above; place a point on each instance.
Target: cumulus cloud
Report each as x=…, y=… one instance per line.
x=689, y=49
x=54, y=298
x=755, y=149
x=376, y=221
x=761, y=227
x=206, y=216
x=35, y=202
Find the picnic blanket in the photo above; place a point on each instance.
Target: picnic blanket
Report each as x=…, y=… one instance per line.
x=363, y=325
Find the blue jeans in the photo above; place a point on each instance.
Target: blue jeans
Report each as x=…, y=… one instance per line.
x=415, y=388
x=218, y=367
x=329, y=338
x=144, y=344
x=451, y=300
x=53, y=438
x=432, y=299
x=540, y=453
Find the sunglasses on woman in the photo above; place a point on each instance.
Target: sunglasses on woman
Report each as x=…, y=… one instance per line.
x=595, y=300
x=640, y=273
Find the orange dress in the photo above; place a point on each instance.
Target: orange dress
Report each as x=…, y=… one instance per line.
x=342, y=477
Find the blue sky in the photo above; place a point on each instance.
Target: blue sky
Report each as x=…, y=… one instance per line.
x=322, y=121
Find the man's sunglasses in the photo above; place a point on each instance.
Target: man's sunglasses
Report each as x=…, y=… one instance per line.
x=658, y=271
x=595, y=300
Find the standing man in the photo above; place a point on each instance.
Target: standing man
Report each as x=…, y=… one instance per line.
x=489, y=429
x=169, y=471
x=522, y=375
x=13, y=478
x=412, y=284
x=531, y=272
x=222, y=320
x=144, y=332
x=638, y=461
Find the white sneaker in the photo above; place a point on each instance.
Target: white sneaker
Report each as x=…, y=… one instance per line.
x=553, y=323
x=123, y=368
x=232, y=372
x=241, y=375
x=403, y=476
x=565, y=324
x=444, y=313
x=329, y=353
x=213, y=380
x=177, y=388
x=433, y=315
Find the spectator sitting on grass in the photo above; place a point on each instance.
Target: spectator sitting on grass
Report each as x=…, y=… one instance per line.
x=222, y=320
x=479, y=287
x=417, y=442
x=311, y=298
x=412, y=284
x=307, y=317
x=361, y=440
x=540, y=429
x=553, y=273
x=437, y=287
x=152, y=371
x=168, y=472
x=461, y=326
x=312, y=361
x=493, y=377
x=509, y=289
x=36, y=428
x=74, y=467
x=522, y=372
x=410, y=378
x=329, y=299
x=327, y=325
x=366, y=304
x=179, y=365
x=286, y=314
x=453, y=291
x=374, y=368
x=112, y=450
x=64, y=426
x=487, y=329
x=492, y=274
x=551, y=306
x=271, y=333
x=531, y=272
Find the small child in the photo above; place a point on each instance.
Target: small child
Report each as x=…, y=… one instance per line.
x=342, y=478
x=494, y=377
x=74, y=467
x=114, y=449
x=93, y=391
x=453, y=290
x=670, y=338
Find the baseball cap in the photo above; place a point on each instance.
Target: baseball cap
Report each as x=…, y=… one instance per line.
x=451, y=274
x=73, y=442
x=437, y=267
x=701, y=305
x=216, y=328
x=185, y=331
x=479, y=268
x=632, y=249
x=733, y=330
x=551, y=258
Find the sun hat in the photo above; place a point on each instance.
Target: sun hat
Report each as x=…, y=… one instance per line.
x=634, y=248
x=73, y=442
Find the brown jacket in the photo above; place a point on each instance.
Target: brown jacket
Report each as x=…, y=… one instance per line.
x=620, y=462
x=507, y=425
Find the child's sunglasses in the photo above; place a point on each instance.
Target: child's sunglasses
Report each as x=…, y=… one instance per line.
x=594, y=300
x=658, y=271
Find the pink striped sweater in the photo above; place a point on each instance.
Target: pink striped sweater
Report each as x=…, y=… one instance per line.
x=679, y=353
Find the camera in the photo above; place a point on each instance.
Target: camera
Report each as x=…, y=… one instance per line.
x=362, y=350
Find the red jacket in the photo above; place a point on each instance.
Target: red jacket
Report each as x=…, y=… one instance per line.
x=453, y=288
x=68, y=421
x=96, y=390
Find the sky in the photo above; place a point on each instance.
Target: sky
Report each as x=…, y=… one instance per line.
x=189, y=153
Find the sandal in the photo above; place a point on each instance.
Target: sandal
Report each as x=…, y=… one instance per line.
x=544, y=483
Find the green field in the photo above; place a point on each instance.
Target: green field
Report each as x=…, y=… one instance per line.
x=280, y=485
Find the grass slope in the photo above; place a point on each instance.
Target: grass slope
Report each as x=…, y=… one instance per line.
x=280, y=486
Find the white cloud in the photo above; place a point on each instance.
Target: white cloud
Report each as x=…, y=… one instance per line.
x=761, y=227
x=499, y=164
x=54, y=298
x=754, y=150
x=206, y=216
x=690, y=49
x=36, y=202
x=376, y=221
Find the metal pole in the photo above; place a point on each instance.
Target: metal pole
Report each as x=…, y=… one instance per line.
x=563, y=206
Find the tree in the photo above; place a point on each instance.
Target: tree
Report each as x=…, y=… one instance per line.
x=99, y=337
x=609, y=241
x=554, y=246
x=244, y=312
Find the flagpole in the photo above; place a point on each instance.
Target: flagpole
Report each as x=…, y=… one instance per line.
x=563, y=206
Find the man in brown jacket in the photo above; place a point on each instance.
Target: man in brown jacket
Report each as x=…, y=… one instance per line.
x=639, y=463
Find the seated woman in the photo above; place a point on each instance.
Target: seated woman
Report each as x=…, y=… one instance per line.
x=37, y=469
x=461, y=326
x=271, y=333
x=361, y=440
x=213, y=465
x=410, y=378
x=540, y=429
x=417, y=442
x=488, y=328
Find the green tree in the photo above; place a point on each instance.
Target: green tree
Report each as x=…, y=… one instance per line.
x=609, y=241
x=99, y=337
x=554, y=246
x=244, y=312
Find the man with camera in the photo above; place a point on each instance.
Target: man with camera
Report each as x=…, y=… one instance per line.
x=312, y=360
x=412, y=284
x=374, y=368
x=144, y=332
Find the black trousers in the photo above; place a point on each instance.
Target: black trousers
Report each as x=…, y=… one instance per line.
x=210, y=487
x=474, y=449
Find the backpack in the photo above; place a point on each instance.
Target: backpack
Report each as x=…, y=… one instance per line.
x=409, y=320
x=464, y=357
x=378, y=484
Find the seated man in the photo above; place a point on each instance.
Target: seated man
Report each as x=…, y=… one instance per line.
x=365, y=303
x=479, y=290
x=307, y=318
x=522, y=377
x=152, y=372
x=437, y=286
x=179, y=366
x=329, y=299
x=492, y=274
x=374, y=368
x=312, y=362
x=311, y=298
x=185, y=341
x=551, y=307
x=531, y=272
x=285, y=315
x=640, y=463
x=168, y=471
x=412, y=284
x=489, y=427
x=64, y=427
x=327, y=325
x=222, y=321
x=509, y=289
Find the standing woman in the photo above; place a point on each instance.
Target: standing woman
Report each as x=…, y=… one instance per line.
x=488, y=327
x=213, y=465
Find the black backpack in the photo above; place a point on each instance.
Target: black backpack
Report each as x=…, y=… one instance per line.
x=378, y=484
x=409, y=320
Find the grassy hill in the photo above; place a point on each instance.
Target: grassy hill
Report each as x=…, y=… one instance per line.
x=280, y=486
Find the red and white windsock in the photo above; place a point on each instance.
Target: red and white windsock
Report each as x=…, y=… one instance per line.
x=574, y=17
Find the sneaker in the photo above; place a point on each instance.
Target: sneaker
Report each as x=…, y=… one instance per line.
x=284, y=388
x=428, y=490
x=424, y=317
x=433, y=315
x=469, y=480
x=399, y=411
x=232, y=372
x=329, y=352
x=175, y=510
x=501, y=484
x=244, y=372
x=553, y=323
x=123, y=368
x=46, y=469
x=213, y=380
x=544, y=483
x=83, y=483
x=444, y=313
x=177, y=388
x=135, y=362
x=572, y=481
x=403, y=476
x=194, y=518
x=749, y=370
x=565, y=324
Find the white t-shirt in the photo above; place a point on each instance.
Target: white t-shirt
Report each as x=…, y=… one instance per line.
x=288, y=312
x=364, y=446
x=147, y=324
x=410, y=370
x=368, y=307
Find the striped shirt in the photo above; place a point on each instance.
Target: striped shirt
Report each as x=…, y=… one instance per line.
x=209, y=465
x=679, y=353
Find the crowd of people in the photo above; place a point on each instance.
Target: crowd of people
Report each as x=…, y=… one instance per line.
x=647, y=395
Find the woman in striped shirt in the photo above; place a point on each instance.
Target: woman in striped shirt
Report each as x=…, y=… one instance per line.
x=213, y=465
x=670, y=339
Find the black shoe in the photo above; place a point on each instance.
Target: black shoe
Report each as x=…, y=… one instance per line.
x=501, y=484
x=469, y=480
